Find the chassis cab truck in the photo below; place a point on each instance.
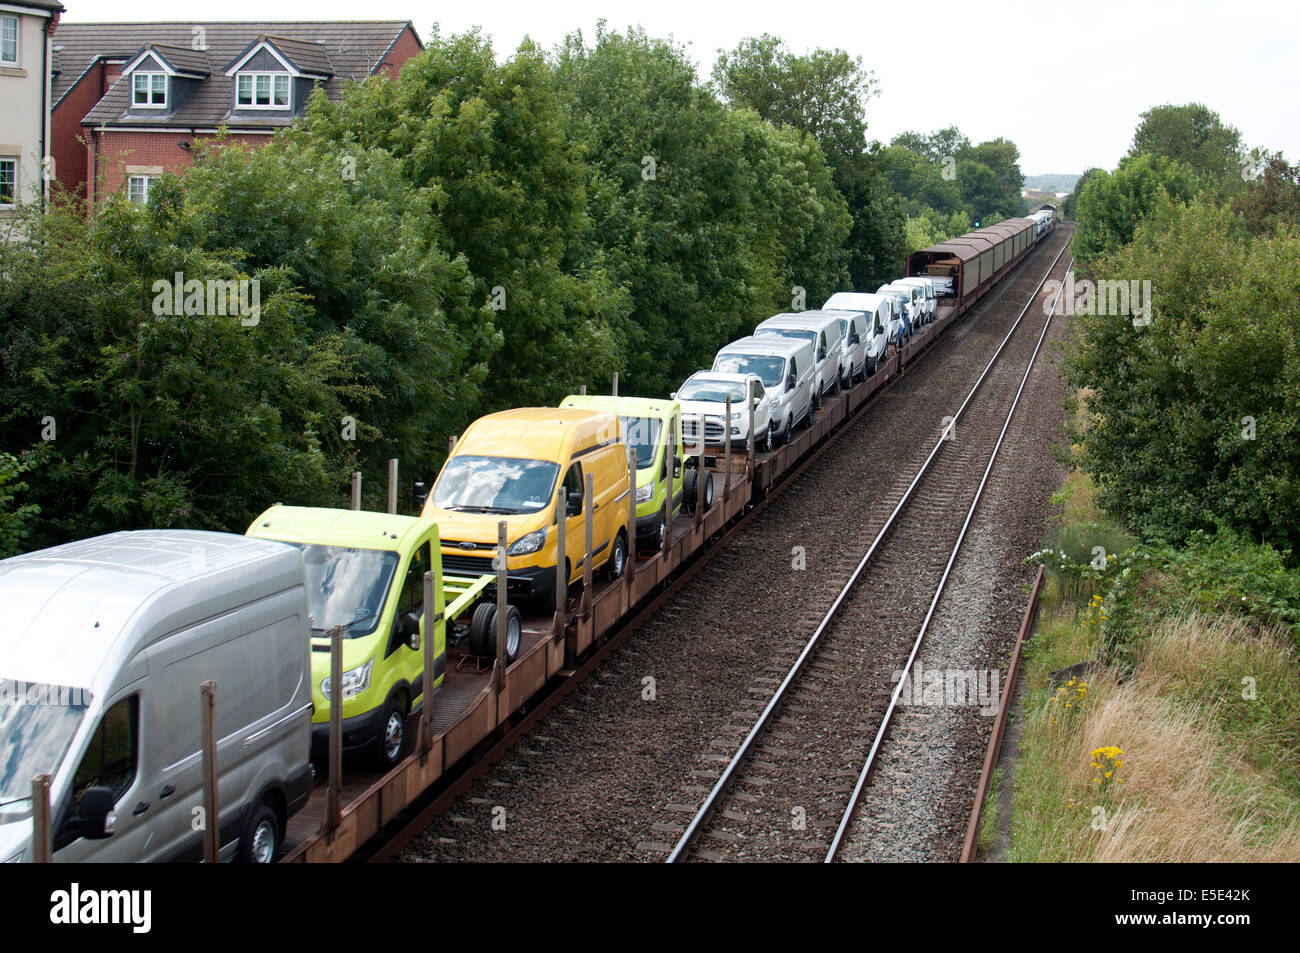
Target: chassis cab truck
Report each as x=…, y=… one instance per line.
x=104, y=647
x=529, y=467
x=365, y=574
x=650, y=429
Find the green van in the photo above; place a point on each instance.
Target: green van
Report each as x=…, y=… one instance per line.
x=646, y=424
x=365, y=572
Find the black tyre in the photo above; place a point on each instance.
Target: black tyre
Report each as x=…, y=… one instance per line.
x=261, y=838
x=483, y=630
x=689, y=480
x=392, y=734
x=617, y=562
x=708, y=492
x=662, y=536
x=767, y=437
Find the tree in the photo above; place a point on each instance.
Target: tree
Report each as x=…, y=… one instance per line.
x=824, y=94
x=491, y=144
x=1069, y=208
x=1194, y=135
x=1272, y=199
x=1112, y=205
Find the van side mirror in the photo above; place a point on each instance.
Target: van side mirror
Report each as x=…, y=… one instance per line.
x=574, y=506
x=673, y=395
x=418, y=495
x=95, y=818
x=409, y=630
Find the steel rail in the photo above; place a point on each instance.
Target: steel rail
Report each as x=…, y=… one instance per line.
x=682, y=847
x=847, y=819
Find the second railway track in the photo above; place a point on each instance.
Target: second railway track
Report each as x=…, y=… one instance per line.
x=789, y=791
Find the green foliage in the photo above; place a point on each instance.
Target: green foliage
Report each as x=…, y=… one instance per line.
x=15, y=518
x=1198, y=415
x=491, y=145
x=1070, y=207
x=1270, y=200
x=1208, y=573
x=1194, y=135
x=823, y=94
x=1112, y=205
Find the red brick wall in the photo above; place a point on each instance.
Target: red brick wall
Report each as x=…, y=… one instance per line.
x=117, y=150
x=405, y=47
x=65, y=129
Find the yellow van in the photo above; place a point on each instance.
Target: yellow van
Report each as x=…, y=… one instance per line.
x=524, y=466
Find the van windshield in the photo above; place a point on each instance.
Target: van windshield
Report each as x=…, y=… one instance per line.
x=347, y=587
x=769, y=368
x=37, y=723
x=799, y=334
x=712, y=391
x=505, y=485
x=642, y=435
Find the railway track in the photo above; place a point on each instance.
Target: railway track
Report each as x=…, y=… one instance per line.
x=600, y=763
x=793, y=774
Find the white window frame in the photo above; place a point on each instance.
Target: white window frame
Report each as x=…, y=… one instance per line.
x=147, y=180
x=150, y=77
x=270, y=76
x=5, y=19
x=13, y=161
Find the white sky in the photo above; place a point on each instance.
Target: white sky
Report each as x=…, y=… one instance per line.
x=1069, y=95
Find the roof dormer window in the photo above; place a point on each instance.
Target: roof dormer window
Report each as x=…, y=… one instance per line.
x=262, y=90
x=149, y=90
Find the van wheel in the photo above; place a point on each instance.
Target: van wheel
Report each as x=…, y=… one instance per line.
x=617, y=562
x=261, y=838
x=483, y=632
x=767, y=437
x=663, y=535
x=708, y=491
x=789, y=430
x=392, y=734
x=689, y=486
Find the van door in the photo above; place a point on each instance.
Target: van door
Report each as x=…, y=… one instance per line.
x=402, y=661
x=111, y=759
x=574, y=526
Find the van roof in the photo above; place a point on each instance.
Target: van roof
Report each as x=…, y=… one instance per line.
x=853, y=300
x=623, y=406
x=795, y=318
x=766, y=344
x=76, y=612
x=537, y=433
x=357, y=529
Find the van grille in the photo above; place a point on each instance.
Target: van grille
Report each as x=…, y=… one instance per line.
x=712, y=428
x=466, y=565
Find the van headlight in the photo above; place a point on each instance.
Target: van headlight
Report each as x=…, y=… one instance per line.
x=643, y=493
x=528, y=543
x=736, y=415
x=355, y=681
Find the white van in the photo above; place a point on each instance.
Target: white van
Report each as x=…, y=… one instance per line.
x=787, y=368
x=105, y=644
x=881, y=327
x=820, y=329
x=930, y=292
x=915, y=298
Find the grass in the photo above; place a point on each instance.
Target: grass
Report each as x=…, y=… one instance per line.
x=989, y=818
x=1206, y=712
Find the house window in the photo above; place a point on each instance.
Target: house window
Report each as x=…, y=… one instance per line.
x=149, y=89
x=8, y=182
x=8, y=40
x=262, y=90
x=137, y=188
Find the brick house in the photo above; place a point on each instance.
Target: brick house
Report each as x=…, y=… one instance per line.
x=25, y=28
x=131, y=100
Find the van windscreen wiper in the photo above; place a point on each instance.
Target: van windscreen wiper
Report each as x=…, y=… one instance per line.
x=504, y=511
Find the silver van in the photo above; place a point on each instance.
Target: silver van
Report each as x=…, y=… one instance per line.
x=820, y=329
x=881, y=327
x=901, y=303
x=787, y=368
x=105, y=644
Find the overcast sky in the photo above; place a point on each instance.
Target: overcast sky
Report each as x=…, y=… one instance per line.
x=1066, y=81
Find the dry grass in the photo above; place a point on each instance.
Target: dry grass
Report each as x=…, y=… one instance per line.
x=1191, y=787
